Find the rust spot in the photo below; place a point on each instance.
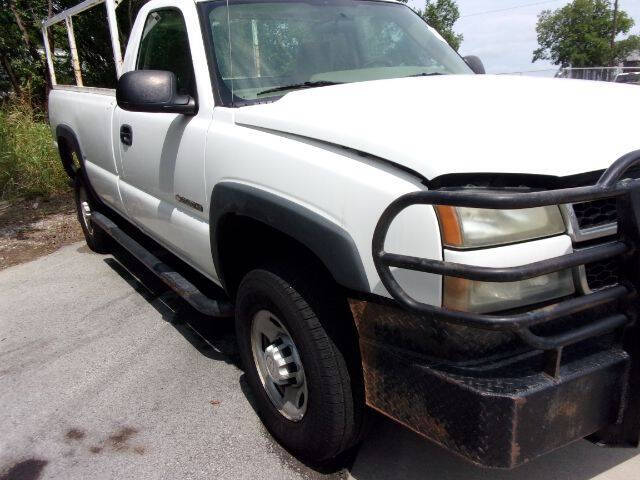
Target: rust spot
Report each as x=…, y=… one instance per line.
x=515, y=446
x=215, y=403
x=567, y=409
x=515, y=453
x=436, y=429
x=139, y=450
x=95, y=450
x=519, y=401
x=357, y=310
x=563, y=408
x=119, y=439
x=30, y=469
x=75, y=434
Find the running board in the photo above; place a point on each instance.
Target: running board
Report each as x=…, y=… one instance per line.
x=174, y=280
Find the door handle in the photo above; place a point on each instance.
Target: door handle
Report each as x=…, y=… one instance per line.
x=126, y=135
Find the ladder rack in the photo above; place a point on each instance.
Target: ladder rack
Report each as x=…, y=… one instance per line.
x=66, y=16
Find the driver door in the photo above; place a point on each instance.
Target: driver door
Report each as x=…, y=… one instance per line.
x=162, y=154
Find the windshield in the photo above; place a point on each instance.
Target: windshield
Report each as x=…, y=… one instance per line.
x=263, y=49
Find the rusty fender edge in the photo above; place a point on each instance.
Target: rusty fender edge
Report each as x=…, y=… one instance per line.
x=500, y=412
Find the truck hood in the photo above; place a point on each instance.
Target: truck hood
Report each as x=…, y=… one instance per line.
x=466, y=123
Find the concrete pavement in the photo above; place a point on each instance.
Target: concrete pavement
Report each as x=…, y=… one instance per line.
x=101, y=379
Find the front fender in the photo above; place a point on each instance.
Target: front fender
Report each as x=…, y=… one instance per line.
x=328, y=241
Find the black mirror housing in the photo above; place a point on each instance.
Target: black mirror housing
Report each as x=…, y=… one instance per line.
x=475, y=64
x=153, y=91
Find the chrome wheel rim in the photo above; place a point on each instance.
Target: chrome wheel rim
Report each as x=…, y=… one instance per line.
x=85, y=210
x=279, y=367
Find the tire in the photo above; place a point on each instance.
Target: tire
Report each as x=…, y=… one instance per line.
x=319, y=323
x=97, y=240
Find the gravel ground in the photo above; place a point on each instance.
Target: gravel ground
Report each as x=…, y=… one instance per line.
x=31, y=228
x=101, y=379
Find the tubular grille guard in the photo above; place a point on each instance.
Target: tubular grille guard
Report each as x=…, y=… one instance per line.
x=610, y=185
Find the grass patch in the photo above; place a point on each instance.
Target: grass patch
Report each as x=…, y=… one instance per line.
x=29, y=162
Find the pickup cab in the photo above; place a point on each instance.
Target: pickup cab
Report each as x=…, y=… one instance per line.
x=390, y=229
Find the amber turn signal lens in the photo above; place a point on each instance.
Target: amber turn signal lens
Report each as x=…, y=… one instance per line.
x=449, y=226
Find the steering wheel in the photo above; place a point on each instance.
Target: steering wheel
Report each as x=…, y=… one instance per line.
x=378, y=62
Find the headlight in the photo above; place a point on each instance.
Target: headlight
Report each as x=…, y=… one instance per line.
x=484, y=297
x=468, y=228
x=463, y=227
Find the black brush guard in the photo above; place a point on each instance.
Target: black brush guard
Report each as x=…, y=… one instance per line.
x=504, y=415
x=610, y=185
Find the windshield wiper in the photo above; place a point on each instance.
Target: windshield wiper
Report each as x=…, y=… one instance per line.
x=426, y=74
x=298, y=86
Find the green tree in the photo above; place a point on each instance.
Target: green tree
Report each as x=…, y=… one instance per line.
x=442, y=16
x=22, y=61
x=579, y=35
x=19, y=56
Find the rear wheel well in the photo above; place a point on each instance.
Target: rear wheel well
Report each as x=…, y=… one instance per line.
x=244, y=244
x=73, y=161
x=69, y=156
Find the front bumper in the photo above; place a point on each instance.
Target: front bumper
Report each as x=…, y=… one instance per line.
x=570, y=374
x=498, y=410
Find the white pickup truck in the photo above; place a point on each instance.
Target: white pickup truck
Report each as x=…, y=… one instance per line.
x=389, y=228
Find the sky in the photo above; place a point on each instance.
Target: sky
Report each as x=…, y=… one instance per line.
x=505, y=40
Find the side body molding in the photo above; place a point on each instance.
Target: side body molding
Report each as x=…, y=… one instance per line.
x=330, y=243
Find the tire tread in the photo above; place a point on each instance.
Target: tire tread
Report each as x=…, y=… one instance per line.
x=337, y=434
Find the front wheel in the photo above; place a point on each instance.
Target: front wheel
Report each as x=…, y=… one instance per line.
x=97, y=240
x=297, y=347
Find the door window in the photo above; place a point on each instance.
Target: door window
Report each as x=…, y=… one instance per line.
x=165, y=46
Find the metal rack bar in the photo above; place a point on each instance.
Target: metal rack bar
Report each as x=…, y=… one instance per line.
x=47, y=51
x=66, y=16
x=75, y=61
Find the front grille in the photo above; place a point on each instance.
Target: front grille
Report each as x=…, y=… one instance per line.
x=590, y=221
x=603, y=274
x=596, y=213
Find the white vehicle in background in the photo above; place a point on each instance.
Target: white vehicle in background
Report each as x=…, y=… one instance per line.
x=628, y=77
x=388, y=228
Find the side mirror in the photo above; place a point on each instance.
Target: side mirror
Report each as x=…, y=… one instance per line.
x=475, y=64
x=153, y=91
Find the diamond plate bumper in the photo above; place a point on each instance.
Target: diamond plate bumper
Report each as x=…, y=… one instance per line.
x=497, y=411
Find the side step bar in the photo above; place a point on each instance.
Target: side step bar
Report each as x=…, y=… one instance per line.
x=174, y=280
